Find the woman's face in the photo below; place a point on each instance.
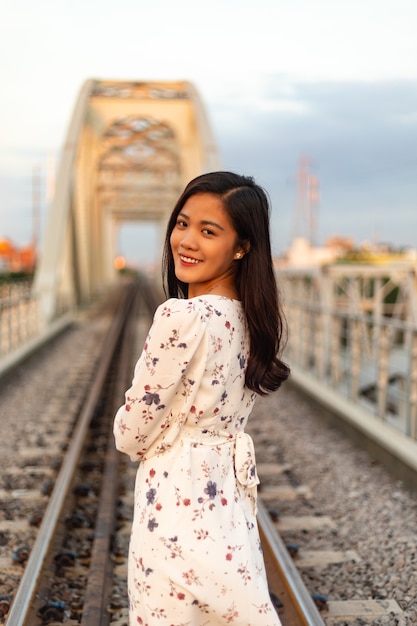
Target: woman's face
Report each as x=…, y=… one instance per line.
x=204, y=246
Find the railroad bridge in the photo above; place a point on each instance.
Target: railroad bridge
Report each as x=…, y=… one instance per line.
x=130, y=149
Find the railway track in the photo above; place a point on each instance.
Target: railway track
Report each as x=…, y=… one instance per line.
x=80, y=509
x=72, y=567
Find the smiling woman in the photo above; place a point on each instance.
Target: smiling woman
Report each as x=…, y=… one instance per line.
x=195, y=553
x=205, y=247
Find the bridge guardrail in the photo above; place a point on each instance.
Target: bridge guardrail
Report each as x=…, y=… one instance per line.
x=369, y=358
x=21, y=326
x=19, y=317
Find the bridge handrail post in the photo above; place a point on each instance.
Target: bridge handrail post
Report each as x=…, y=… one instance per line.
x=382, y=366
x=412, y=387
x=335, y=369
x=355, y=358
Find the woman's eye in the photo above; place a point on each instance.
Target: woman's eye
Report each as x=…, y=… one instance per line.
x=181, y=223
x=207, y=231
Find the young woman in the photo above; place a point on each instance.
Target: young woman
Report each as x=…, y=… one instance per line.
x=195, y=557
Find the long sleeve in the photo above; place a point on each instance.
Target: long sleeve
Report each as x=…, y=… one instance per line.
x=165, y=381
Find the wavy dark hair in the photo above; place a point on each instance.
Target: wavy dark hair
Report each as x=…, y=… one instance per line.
x=248, y=208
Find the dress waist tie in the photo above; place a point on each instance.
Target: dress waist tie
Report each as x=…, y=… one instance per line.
x=243, y=457
x=245, y=468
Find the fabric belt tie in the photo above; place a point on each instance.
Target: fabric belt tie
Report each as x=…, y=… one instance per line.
x=245, y=468
x=243, y=457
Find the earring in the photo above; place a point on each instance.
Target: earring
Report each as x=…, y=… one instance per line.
x=238, y=255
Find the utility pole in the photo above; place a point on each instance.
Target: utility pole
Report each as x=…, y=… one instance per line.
x=307, y=202
x=36, y=205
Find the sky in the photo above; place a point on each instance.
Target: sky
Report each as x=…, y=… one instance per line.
x=332, y=80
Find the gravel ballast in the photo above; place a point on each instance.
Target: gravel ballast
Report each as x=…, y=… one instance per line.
x=375, y=514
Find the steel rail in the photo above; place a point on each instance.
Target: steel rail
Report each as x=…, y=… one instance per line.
x=23, y=599
x=100, y=573
x=305, y=609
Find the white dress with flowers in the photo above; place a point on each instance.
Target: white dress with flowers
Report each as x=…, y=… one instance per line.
x=195, y=557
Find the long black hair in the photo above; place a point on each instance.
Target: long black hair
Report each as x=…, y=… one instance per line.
x=247, y=206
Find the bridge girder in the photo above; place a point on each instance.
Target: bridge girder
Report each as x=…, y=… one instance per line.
x=130, y=149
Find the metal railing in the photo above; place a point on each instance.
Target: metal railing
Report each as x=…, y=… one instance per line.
x=19, y=316
x=361, y=352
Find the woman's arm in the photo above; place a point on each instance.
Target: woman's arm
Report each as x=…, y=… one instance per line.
x=165, y=381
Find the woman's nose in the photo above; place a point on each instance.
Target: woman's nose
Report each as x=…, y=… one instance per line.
x=188, y=240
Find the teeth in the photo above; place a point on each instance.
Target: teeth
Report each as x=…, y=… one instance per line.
x=187, y=259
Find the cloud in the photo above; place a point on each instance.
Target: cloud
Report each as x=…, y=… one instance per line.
x=360, y=138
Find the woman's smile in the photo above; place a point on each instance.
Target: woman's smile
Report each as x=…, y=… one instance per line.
x=187, y=260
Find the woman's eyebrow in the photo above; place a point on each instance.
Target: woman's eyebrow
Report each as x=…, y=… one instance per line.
x=209, y=223
x=203, y=222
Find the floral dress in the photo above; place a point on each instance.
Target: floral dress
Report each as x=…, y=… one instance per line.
x=195, y=556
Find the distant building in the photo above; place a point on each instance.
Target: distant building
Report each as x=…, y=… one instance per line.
x=303, y=255
x=14, y=259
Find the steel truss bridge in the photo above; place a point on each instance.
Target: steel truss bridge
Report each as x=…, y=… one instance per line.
x=130, y=149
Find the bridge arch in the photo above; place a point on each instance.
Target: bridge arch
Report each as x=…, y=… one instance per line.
x=130, y=149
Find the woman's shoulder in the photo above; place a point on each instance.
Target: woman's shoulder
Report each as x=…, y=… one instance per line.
x=180, y=311
x=176, y=324
x=173, y=306
x=201, y=308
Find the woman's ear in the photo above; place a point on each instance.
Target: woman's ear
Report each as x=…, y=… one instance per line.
x=242, y=250
x=246, y=246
